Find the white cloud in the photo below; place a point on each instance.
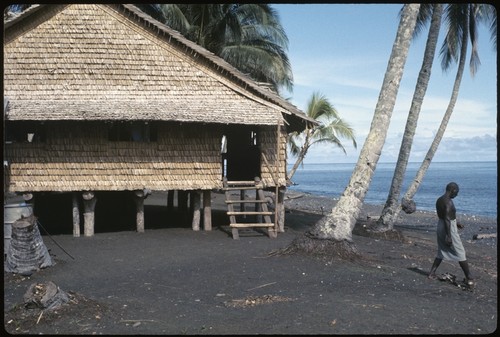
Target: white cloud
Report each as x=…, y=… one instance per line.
x=477, y=148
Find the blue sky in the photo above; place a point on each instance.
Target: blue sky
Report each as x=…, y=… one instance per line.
x=342, y=51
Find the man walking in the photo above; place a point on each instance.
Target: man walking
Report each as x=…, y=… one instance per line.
x=450, y=245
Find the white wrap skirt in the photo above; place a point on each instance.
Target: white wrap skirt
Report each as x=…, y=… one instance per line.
x=456, y=251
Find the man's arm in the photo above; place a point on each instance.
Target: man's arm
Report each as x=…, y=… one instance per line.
x=447, y=221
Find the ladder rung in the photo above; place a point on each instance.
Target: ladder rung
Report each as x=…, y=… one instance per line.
x=250, y=201
x=247, y=225
x=250, y=213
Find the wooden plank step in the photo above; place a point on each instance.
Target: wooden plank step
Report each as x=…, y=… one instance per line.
x=248, y=225
x=250, y=213
x=241, y=188
x=249, y=182
x=246, y=201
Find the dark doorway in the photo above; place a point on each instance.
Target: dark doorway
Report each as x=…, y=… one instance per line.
x=241, y=153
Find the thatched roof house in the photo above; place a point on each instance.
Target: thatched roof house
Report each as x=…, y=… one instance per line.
x=104, y=98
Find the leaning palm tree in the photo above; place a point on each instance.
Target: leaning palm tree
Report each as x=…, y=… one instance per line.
x=462, y=22
x=330, y=129
x=248, y=36
x=392, y=207
x=333, y=233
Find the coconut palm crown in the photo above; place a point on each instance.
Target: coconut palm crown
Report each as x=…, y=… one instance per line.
x=332, y=127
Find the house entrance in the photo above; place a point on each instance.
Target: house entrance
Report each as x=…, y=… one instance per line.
x=241, y=153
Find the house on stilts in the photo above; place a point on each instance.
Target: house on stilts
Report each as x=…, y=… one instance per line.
x=102, y=97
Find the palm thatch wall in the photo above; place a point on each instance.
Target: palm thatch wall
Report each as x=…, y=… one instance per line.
x=79, y=156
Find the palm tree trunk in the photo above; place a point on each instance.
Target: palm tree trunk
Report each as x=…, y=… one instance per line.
x=338, y=225
x=392, y=206
x=413, y=188
x=301, y=156
x=299, y=160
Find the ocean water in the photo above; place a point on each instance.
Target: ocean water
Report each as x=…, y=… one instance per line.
x=477, y=182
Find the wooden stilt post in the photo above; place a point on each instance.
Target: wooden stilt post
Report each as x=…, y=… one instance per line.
x=29, y=199
x=89, y=201
x=139, y=196
x=258, y=206
x=196, y=206
x=207, y=210
x=276, y=211
x=281, y=209
x=76, y=215
x=267, y=219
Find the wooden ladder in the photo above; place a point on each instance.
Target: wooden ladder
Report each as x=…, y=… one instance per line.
x=238, y=218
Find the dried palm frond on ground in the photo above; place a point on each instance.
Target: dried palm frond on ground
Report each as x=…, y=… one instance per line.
x=251, y=301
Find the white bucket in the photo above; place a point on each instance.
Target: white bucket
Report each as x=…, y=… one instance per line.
x=12, y=213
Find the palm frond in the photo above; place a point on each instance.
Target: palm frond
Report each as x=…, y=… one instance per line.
x=332, y=132
x=320, y=108
x=329, y=131
x=260, y=64
x=424, y=16
x=456, y=20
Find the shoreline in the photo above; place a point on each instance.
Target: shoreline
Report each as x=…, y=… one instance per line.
x=420, y=220
x=477, y=181
x=321, y=199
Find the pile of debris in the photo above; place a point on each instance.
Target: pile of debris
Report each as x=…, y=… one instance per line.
x=45, y=296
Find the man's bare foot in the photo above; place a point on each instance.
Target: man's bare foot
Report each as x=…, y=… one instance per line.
x=469, y=282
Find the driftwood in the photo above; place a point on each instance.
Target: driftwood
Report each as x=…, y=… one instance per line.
x=289, y=196
x=27, y=252
x=484, y=236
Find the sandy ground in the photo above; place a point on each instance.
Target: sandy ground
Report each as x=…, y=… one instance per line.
x=172, y=280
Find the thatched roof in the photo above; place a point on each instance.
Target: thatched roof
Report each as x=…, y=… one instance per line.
x=114, y=62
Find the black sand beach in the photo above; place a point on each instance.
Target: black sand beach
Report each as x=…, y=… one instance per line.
x=177, y=281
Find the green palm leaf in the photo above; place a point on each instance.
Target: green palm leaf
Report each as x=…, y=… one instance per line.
x=331, y=129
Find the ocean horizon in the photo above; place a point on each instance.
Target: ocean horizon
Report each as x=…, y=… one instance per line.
x=477, y=182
